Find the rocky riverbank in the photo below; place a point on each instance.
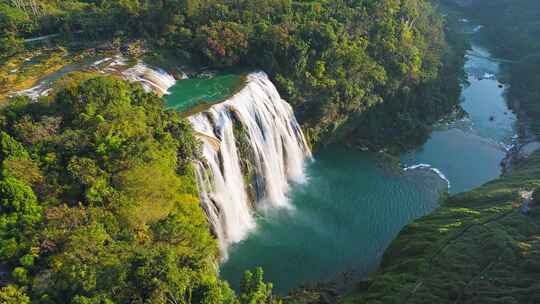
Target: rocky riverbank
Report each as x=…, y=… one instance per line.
x=525, y=143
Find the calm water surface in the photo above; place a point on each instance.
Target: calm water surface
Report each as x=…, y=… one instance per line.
x=188, y=93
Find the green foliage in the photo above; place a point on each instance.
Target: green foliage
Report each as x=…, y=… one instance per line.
x=223, y=43
x=119, y=220
x=116, y=218
x=333, y=60
x=13, y=22
x=20, y=275
x=10, y=294
x=16, y=163
x=255, y=290
x=19, y=212
x=10, y=45
x=14, y=19
x=9, y=147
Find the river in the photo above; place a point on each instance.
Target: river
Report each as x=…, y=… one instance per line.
x=354, y=203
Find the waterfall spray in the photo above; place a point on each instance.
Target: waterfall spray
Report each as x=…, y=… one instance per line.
x=152, y=79
x=279, y=152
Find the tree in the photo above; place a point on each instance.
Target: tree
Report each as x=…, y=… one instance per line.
x=10, y=45
x=255, y=290
x=11, y=294
x=19, y=212
x=9, y=147
x=15, y=162
x=223, y=43
x=122, y=222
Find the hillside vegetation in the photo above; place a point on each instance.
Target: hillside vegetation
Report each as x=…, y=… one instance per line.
x=98, y=202
x=333, y=60
x=478, y=247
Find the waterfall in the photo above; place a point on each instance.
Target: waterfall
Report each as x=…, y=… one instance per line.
x=252, y=147
x=152, y=79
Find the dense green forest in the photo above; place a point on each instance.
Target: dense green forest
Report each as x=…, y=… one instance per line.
x=98, y=201
x=333, y=60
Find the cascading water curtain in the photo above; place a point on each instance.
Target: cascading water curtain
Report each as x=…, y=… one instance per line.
x=279, y=152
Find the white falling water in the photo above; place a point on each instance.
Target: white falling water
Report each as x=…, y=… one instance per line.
x=280, y=152
x=35, y=92
x=152, y=79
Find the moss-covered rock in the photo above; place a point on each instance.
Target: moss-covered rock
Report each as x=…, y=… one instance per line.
x=247, y=159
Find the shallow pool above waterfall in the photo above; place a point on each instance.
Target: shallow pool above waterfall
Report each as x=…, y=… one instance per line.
x=352, y=207
x=187, y=94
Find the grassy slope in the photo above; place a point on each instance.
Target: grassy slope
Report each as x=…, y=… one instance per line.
x=476, y=248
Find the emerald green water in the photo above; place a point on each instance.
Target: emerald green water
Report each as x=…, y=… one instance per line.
x=189, y=93
x=343, y=219
x=352, y=207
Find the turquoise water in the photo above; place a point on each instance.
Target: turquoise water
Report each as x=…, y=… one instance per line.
x=344, y=217
x=351, y=208
x=189, y=93
x=469, y=151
